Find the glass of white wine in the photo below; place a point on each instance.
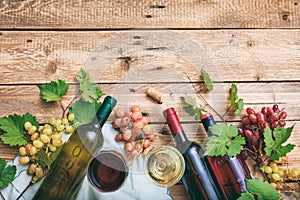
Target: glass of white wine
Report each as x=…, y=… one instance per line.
x=164, y=166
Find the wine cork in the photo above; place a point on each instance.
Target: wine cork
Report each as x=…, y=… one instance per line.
x=155, y=95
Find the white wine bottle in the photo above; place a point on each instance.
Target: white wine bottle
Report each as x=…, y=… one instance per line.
x=70, y=167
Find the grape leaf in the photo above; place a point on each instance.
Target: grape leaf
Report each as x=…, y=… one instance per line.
x=44, y=160
x=13, y=127
x=262, y=189
x=190, y=100
x=236, y=103
x=7, y=173
x=90, y=92
x=192, y=108
x=53, y=91
x=274, y=148
x=246, y=196
x=225, y=140
x=207, y=80
x=84, y=111
x=82, y=76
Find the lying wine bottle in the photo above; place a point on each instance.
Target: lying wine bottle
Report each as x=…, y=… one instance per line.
x=230, y=173
x=197, y=179
x=70, y=167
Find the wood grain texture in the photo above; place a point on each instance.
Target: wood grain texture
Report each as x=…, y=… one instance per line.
x=256, y=95
x=87, y=14
x=227, y=55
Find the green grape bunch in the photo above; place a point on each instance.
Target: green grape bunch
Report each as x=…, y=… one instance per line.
x=47, y=138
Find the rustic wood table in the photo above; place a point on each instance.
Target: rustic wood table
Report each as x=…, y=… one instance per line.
x=255, y=44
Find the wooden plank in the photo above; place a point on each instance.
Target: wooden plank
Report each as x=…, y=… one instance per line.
x=227, y=55
x=83, y=14
x=26, y=98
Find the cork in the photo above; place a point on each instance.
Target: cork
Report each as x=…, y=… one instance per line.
x=155, y=95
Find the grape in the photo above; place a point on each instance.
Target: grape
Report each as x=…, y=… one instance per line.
x=246, y=120
x=120, y=113
x=147, y=129
x=146, y=143
x=267, y=169
x=250, y=111
x=274, y=125
x=138, y=124
x=264, y=110
x=248, y=134
x=47, y=131
x=45, y=138
x=31, y=169
x=57, y=143
x=282, y=123
x=276, y=177
x=28, y=146
x=32, y=130
x=294, y=172
x=60, y=127
x=39, y=172
x=24, y=160
x=33, y=151
x=129, y=147
x=240, y=131
x=65, y=121
x=126, y=134
x=34, y=136
x=69, y=129
x=57, y=136
x=136, y=116
x=253, y=118
x=274, y=117
x=260, y=118
x=269, y=111
x=27, y=125
x=136, y=108
x=52, y=148
x=138, y=146
x=38, y=144
x=71, y=117
x=282, y=115
x=275, y=108
x=119, y=137
x=52, y=121
x=22, y=151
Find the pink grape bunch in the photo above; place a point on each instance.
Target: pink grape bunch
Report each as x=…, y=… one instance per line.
x=134, y=131
x=254, y=123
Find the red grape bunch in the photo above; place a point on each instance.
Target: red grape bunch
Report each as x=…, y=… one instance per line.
x=255, y=123
x=134, y=130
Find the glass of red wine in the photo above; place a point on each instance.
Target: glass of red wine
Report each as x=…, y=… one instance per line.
x=107, y=171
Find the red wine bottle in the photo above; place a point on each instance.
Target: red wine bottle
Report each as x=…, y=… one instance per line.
x=230, y=173
x=197, y=179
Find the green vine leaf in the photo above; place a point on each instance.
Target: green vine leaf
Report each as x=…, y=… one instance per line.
x=207, y=80
x=44, y=160
x=274, y=147
x=84, y=111
x=262, y=189
x=7, y=173
x=246, y=196
x=54, y=90
x=90, y=92
x=236, y=103
x=192, y=108
x=13, y=127
x=225, y=140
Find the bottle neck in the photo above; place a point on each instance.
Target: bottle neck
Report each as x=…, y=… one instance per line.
x=175, y=127
x=207, y=120
x=105, y=109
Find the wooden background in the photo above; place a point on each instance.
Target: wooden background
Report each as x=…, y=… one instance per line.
x=255, y=44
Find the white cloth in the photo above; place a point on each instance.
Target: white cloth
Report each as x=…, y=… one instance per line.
x=136, y=185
